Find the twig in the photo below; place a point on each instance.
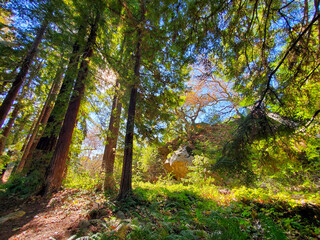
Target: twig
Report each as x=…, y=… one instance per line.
x=311, y=120
x=284, y=57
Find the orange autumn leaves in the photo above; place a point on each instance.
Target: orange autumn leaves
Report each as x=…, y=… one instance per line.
x=206, y=90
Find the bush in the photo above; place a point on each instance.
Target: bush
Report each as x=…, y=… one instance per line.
x=23, y=186
x=82, y=179
x=149, y=165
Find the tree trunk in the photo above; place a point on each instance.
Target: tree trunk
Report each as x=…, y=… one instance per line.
x=58, y=162
x=112, y=138
x=126, y=177
x=16, y=110
x=28, y=136
x=51, y=131
x=16, y=85
x=39, y=158
x=48, y=105
x=8, y=127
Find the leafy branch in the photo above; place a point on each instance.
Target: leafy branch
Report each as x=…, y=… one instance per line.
x=284, y=57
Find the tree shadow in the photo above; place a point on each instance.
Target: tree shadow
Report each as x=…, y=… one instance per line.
x=166, y=214
x=29, y=207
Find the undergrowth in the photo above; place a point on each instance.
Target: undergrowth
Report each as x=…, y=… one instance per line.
x=172, y=210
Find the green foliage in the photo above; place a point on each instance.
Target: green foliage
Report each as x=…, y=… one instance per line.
x=272, y=230
x=148, y=165
x=200, y=172
x=23, y=186
x=80, y=178
x=167, y=210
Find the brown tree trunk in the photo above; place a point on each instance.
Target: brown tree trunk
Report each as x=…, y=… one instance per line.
x=39, y=160
x=126, y=176
x=16, y=110
x=51, y=131
x=48, y=105
x=8, y=127
x=28, y=136
x=16, y=85
x=58, y=162
x=112, y=138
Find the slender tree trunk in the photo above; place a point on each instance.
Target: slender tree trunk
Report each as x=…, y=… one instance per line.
x=126, y=177
x=8, y=127
x=112, y=138
x=28, y=137
x=16, y=85
x=16, y=110
x=48, y=105
x=58, y=162
x=39, y=158
x=50, y=134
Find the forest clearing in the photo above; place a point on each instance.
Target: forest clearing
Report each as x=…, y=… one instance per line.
x=151, y=119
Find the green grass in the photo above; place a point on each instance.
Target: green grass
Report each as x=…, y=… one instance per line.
x=169, y=210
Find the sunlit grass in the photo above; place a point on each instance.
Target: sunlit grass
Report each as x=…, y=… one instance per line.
x=253, y=212
x=198, y=209
x=225, y=196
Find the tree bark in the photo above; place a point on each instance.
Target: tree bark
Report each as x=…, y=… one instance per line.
x=51, y=131
x=16, y=110
x=112, y=138
x=58, y=162
x=126, y=177
x=8, y=127
x=16, y=85
x=43, y=118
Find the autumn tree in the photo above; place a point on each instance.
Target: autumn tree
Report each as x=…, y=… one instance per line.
x=206, y=93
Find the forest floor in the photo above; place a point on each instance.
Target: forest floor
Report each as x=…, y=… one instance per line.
x=164, y=211
x=58, y=217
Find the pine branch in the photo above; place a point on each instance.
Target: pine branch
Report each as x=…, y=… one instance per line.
x=311, y=120
x=284, y=57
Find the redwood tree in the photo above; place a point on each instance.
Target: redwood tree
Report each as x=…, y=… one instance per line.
x=126, y=176
x=58, y=162
x=112, y=138
x=38, y=158
x=42, y=120
x=16, y=110
x=16, y=85
x=50, y=134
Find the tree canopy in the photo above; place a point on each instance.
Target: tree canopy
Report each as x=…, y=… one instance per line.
x=170, y=65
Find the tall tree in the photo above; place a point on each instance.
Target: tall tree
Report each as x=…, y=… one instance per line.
x=50, y=135
x=112, y=138
x=126, y=177
x=16, y=85
x=18, y=106
x=43, y=118
x=58, y=162
x=164, y=42
x=39, y=155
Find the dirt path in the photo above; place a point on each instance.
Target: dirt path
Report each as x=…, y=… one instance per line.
x=56, y=218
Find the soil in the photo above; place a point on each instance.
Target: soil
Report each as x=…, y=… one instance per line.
x=57, y=217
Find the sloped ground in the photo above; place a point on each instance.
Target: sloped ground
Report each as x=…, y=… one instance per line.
x=166, y=210
x=58, y=217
